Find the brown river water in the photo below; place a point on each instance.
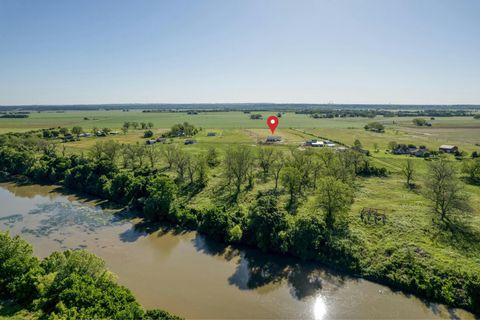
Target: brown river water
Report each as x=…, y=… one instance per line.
x=188, y=275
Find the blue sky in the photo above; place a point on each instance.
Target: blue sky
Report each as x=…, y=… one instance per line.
x=113, y=51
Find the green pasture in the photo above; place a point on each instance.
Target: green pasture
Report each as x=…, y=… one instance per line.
x=115, y=118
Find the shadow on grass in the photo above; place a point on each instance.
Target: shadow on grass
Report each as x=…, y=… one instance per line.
x=471, y=181
x=458, y=233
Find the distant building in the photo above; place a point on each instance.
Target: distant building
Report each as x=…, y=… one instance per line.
x=319, y=144
x=162, y=140
x=191, y=141
x=273, y=139
x=152, y=141
x=404, y=149
x=68, y=137
x=448, y=148
x=329, y=143
x=211, y=134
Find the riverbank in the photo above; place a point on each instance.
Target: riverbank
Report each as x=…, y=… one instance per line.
x=157, y=263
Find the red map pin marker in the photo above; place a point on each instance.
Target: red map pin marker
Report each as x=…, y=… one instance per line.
x=272, y=122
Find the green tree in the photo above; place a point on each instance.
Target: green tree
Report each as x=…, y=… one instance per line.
x=18, y=268
x=125, y=127
x=148, y=134
x=392, y=145
x=181, y=163
x=212, y=157
x=276, y=166
x=444, y=191
x=216, y=223
x=153, y=154
x=77, y=130
x=408, y=171
x=419, y=122
x=162, y=197
x=291, y=181
x=238, y=164
x=63, y=130
x=471, y=167
x=357, y=145
x=269, y=225
x=308, y=236
x=334, y=197
x=170, y=153
x=264, y=158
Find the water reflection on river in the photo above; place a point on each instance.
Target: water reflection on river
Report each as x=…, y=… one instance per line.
x=188, y=275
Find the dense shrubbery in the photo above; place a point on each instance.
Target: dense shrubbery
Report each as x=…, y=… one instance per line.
x=65, y=285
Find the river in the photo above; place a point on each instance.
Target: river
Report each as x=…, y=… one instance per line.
x=188, y=275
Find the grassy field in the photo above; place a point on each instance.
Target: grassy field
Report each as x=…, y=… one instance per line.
x=219, y=120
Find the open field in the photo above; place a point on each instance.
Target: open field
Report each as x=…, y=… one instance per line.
x=237, y=127
x=224, y=120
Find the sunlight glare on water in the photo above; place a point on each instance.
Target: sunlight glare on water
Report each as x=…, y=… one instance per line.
x=319, y=308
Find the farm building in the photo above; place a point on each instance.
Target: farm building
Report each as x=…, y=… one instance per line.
x=273, y=139
x=329, y=143
x=448, y=148
x=211, y=134
x=315, y=143
x=151, y=141
x=68, y=137
x=410, y=150
x=190, y=141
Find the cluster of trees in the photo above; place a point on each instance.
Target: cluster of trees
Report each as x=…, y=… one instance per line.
x=14, y=116
x=471, y=167
x=346, y=113
x=443, y=187
x=181, y=130
x=65, y=285
x=375, y=126
x=256, y=116
x=433, y=113
x=136, y=125
x=421, y=122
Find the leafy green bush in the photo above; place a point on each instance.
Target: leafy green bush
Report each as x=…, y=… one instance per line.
x=18, y=268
